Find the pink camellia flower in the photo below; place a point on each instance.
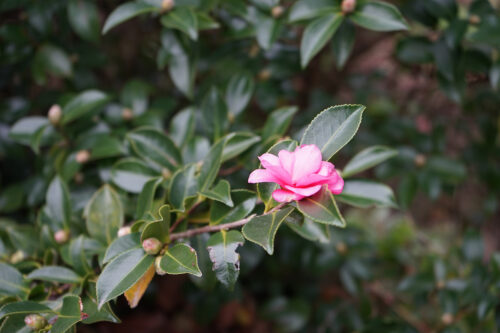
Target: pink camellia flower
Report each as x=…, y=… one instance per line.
x=300, y=173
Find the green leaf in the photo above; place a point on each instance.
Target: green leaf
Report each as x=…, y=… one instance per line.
x=70, y=314
x=121, y=245
x=308, y=229
x=54, y=274
x=415, y=50
x=379, y=16
x=267, y=29
x=205, y=22
x=83, y=17
x=89, y=301
x=11, y=282
x=237, y=143
x=182, y=126
x=121, y=274
x=244, y=202
x=181, y=66
x=222, y=250
x=146, y=197
x=215, y=113
x=135, y=95
x=262, y=229
x=265, y=190
x=211, y=164
x=58, y=203
x=53, y=60
x=342, y=43
x=362, y=193
x=131, y=174
x=367, y=159
x=221, y=192
x=183, y=19
x=278, y=122
x=79, y=259
x=158, y=229
x=82, y=104
x=333, y=128
x=182, y=186
x=322, y=208
x=180, y=259
x=26, y=307
x=29, y=131
x=104, y=214
x=155, y=147
x=127, y=11
x=196, y=149
x=316, y=34
x=308, y=9
x=239, y=92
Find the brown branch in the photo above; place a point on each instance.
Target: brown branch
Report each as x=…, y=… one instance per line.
x=180, y=219
x=225, y=226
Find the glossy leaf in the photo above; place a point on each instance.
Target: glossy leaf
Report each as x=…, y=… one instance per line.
x=215, y=113
x=26, y=307
x=11, y=282
x=262, y=229
x=158, y=229
x=182, y=126
x=367, y=159
x=278, y=122
x=333, y=128
x=29, y=131
x=317, y=34
x=79, y=258
x=237, y=143
x=54, y=274
x=135, y=293
x=181, y=65
x=183, y=19
x=83, y=104
x=89, y=302
x=379, y=16
x=180, y=259
x=211, y=164
x=121, y=274
x=146, y=197
x=183, y=186
x=51, y=59
x=361, y=193
x=58, y=203
x=220, y=192
x=322, y=208
x=343, y=42
x=127, y=11
x=69, y=315
x=267, y=30
x=308, y=9
x=121, y=245
x=244, y=202
x=131, y=174
x=83, y=16
x=155, y=147
x=238, y=93
x=222, y=248
x=104, y=214
x=308, y=229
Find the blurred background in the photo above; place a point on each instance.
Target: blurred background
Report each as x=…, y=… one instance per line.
x=432, y=92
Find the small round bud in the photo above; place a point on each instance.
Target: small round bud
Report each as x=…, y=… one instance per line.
x=166, y=173
x=127, y=114
x=420, y=160
x=277, y=11
x=447, y=318
x=82, y=156
x=151, y=245
x=264, y=74
x=34, y=321
x=159, y=270
x=124, y=231
x=61, y=236
x=55, y=114
x=348, y=6
x=167, y=5
x=17, y=256
x=341, y=248
x=440, y=284
x=474, y=19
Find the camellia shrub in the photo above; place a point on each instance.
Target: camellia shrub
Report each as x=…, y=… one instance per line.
x=162, y=137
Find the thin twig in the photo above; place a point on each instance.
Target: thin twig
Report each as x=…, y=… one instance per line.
x=225, y=226
x=180, y=219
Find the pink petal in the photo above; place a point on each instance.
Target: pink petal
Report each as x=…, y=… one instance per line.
x=322, y=177
x=326, y=169
x=287, y=160
x=285, y=196
x=304, y=191
x=268, y=160
x=262, y=176
x=307, y=161
x=272, y=164
x=336, y=184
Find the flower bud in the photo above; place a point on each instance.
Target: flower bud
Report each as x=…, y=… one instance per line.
x=159, y=271
x=151, y=245
x=55, y=114
x=127, y=114
x=474, y=19
x=264, y=74
x=34, y=321
x=420, y=160
x=166, y=173
x=167, y=5
x=277, y=11
x=124, y=231
x=447, y=318
x=440, y=284
x=17, y=256
x=82, y=156
x=348, y=6
x=61, y=236
x=341, y=248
